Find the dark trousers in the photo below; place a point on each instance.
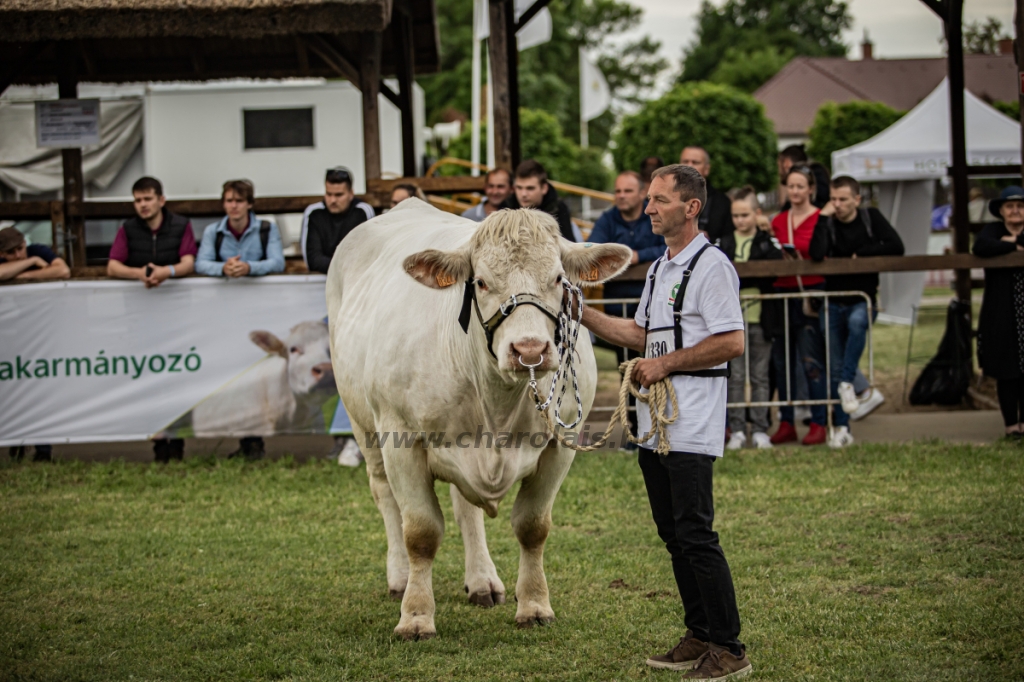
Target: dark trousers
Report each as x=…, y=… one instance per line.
x=1011, y=400
x=679, y=486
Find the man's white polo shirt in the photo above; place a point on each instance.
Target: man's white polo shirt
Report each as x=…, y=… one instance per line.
x=711, y=306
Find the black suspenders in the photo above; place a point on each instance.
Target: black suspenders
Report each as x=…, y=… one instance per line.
x=677, y=315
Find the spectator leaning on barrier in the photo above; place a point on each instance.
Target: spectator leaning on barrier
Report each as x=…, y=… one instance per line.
x=28, y=262
x=1001, y=324
x=794, y=229
x=532, y=190
x=240, y=245
x=715, y=218
x=752, y=240
x=497, y=190
x=155, y=245
x=325, y=227
x=848, y=231
x=627, y=224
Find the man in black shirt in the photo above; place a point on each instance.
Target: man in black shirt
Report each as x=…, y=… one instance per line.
x=326, y=226
x=845, y=230
x=716, y=217
x=532, y=190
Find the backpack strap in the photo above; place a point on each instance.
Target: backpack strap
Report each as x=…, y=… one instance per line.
x=217, y=241
x=264, y=237
x=865, y=217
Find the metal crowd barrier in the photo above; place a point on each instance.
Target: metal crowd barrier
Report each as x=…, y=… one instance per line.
x=745, y=301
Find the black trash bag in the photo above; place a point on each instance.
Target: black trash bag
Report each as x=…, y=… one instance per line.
x=947, y=376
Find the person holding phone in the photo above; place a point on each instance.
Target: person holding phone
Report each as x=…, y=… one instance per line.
x=794, y=229
x=155, y=245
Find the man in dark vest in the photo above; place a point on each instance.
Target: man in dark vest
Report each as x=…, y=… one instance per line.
x=154, y=246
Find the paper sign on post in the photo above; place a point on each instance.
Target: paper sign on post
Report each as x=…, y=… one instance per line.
x=68, y=123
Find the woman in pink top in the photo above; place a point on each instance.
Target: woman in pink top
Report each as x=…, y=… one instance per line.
x=794, y=229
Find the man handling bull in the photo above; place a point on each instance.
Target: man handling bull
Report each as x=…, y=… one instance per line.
x=689, y=325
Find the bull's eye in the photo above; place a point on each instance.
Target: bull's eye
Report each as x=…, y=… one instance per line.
x=481, y=285
x=295, y=349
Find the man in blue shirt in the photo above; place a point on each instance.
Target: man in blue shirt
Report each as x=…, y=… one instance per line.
x=240, y=245
x=626, y=223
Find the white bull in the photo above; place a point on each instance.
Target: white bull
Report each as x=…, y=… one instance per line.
x=271, y=397
x=404, y=366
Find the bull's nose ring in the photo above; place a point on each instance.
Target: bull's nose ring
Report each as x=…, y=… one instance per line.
x=539, y=362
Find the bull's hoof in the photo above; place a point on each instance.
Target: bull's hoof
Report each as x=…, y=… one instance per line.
x=529, y=622
x=396, y=595
x=416, y=629
x=487, y=599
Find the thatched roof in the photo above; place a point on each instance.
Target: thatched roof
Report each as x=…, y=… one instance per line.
x=32, y=20
x=170, y=40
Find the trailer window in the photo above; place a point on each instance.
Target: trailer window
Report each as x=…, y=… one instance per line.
x=277, y=128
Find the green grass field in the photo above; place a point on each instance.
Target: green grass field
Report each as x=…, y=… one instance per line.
x=881, y=563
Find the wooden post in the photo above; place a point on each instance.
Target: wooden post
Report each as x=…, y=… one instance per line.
x=369, y=77
x=512, y=47
x=58, y=233
x=958, y=139
x=1018, y=57
x=401, y=27
x=497, y=49
x=67, y=86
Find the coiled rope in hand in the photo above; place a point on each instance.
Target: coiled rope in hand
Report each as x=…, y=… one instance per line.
x=659, y=397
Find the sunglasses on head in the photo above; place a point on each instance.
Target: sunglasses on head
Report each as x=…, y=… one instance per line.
x=338, y=175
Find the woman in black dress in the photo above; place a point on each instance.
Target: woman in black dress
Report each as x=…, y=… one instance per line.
x=1001, y=327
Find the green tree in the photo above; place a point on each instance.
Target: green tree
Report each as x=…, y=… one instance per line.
x=729, y=124
x=542, y=139
x=747, y=71
x=745, y=27
x=1011, y=109
x=837, y=126
x=983, y=37
x=549, y=73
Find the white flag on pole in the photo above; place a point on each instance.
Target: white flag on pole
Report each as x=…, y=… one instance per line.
x=536, y=32
x=594, y=93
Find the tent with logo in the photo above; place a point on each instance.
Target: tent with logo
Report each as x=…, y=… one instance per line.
x=905, y=160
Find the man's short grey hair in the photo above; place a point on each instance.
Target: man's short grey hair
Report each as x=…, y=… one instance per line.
x=687, y=181
x=707, y=157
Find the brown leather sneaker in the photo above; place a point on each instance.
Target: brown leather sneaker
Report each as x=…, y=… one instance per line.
x=718, y=664
x=682, y=656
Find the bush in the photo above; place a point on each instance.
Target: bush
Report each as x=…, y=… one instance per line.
x=729, y=124
x=837, y=126
x=541, y=138
x=1011, y=109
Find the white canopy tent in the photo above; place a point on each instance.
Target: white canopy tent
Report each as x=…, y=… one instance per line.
x=905, y=159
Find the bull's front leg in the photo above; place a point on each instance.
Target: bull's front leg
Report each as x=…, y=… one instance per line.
x=422, y=528
x=482, y=582
x=531, y=521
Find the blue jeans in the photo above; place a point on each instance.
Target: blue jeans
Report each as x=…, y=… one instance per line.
x=806, y=356
x=847, y=336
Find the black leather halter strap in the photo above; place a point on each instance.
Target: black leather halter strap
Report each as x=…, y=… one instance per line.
x=504, y=311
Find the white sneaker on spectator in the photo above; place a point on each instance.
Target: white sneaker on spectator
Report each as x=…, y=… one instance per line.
x=762, y=441
x=869, y=400
x=848, y=397
x=350, y=455
x=841, y=437
x=736, y=441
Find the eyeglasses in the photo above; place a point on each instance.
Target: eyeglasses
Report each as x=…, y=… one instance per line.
x=339, y=175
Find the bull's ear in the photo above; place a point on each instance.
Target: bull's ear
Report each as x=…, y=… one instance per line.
x=439, y=269
x=269, y=343
x=591, y=264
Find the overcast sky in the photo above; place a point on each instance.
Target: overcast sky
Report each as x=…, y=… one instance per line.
x=898, y=28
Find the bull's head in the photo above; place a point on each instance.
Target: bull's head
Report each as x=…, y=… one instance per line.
x=517, y=253
x=307, y=350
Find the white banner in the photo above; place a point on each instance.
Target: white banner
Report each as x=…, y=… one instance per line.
x=595, y=95
x=111, y=360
